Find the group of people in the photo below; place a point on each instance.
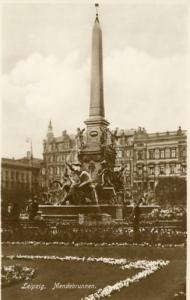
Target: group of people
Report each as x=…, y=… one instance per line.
x=14, y=210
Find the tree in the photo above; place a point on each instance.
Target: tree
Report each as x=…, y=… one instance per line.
x=18, y=193
x=171, y=191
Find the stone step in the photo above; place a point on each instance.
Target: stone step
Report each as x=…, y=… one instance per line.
x=70, y=217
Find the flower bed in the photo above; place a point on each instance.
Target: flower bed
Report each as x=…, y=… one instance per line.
x=173, y=213
x=15, y=273
x=146, y=269
x=97, y=234
x=83, y=244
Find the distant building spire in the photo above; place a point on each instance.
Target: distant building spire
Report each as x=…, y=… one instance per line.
x=50, y=134
x=50, y=125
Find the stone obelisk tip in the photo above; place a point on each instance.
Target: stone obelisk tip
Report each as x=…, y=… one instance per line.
x=97, y=98
x=96, y=5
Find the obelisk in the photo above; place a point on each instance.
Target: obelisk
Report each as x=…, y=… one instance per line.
x=97, y=93
x=96, y=121
x=96, y=124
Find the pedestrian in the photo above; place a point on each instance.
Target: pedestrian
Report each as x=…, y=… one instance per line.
x=9, y=209
x=136, y=218
x=15, y=212
x=33, y=209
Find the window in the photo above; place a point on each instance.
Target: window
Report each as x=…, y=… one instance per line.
x=66, y=145
x=151, y=170
x=151, y=154
x=151, y=186
x=12, y=175
x=128, y=154
x=22, y=176
x=172, y=169
x=129, y=141
x=17, y=176
x=140, y=155
x=7, y=174
x=58, y=170
x=140, y=171
x=43, y=171
x=162, y=153
x=162, y=169
x=27, y=177
x=128, y=166
x=51, y=171
x=167, y=153
x=119, y=154
x=183, y=152
x=157, y=153
x=173, y=153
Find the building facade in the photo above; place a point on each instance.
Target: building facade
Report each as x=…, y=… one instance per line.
x=158, y=155
x=150, y=156
x=56, y=152
x=145, y=157
x=20, y=178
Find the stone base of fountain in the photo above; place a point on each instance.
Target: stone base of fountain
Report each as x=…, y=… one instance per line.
x=81, y=213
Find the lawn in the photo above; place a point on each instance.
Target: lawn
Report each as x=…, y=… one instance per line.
x=161, y=285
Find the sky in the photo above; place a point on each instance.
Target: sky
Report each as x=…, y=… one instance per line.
x=46, y=53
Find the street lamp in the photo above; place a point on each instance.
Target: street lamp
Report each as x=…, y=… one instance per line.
x=29, y=140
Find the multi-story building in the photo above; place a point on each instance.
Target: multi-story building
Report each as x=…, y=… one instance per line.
x=145, y=157
x=56, y=151
x=158, y=155
x=20, y=178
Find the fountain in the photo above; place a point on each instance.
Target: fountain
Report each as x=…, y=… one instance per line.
x=91, y=186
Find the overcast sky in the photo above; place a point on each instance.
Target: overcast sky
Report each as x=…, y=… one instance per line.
x=46, y=54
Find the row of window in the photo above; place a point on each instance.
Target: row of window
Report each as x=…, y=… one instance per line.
x=16, y=175
x=56, y=158
x=163, y=153
x=13, y=184
x=56, y=170
x=157, y=153
x=56, y=147
x=153, y=153
x=120, y=153
x=162, y=170
x=125, y=141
